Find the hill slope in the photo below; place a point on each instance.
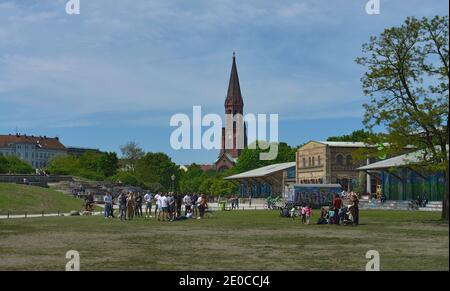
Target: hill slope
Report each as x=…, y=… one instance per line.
x=20, y=198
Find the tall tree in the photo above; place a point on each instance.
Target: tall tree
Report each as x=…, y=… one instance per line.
x=407, y=80
x=131, y=152
x=355, y=136
x=158, y=168
x=250, y=159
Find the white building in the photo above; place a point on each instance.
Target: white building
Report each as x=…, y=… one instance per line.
x=36, y=150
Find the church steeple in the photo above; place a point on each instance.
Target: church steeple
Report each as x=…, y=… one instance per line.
x=234, y=101
x=234, y=104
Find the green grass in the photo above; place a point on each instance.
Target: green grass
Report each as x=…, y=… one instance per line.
x=20, y=198
x=244, y=240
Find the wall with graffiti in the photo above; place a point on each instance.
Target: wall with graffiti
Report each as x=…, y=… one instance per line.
x=315, y=196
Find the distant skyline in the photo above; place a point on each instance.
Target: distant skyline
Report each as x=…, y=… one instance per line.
x=118, y=71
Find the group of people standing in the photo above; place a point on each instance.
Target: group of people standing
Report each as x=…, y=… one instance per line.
x=305, y=213
x=338, y=213
x=164, y=206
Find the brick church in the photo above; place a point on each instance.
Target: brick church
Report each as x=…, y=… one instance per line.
x=234, y=104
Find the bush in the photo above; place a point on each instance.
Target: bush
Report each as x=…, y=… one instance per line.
x=91, y=165
x=14, y=165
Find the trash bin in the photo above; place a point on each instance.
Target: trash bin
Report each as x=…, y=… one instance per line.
x=222, y=205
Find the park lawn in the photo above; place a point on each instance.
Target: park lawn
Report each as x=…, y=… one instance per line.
x=17, y=199
x=239, y=240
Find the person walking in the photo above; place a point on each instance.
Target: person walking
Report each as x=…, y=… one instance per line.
x=202, y=206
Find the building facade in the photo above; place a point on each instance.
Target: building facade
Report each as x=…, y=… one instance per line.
x=234, y=105
x=331, y=163
x=404, y=177
x=273, y=180
x=35, y=150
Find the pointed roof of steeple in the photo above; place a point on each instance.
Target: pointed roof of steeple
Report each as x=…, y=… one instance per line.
x=234, y=96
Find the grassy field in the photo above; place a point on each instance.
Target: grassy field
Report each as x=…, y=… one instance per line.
x=245, y=240
x=20, y=198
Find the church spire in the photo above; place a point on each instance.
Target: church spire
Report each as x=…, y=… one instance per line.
x=234, y=96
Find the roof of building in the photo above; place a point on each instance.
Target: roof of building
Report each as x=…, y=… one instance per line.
x=398, y=161
x=345, y=144
x=41, y=141
x=234, y=96
x=228, y=156
x=317, y=186
x=262, y=172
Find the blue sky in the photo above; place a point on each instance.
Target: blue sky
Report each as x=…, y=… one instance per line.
x=118, y=71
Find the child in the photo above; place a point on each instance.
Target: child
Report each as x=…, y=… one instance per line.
x=303, y=214
x=293, y=212
x=331, y=216
x=308, y=214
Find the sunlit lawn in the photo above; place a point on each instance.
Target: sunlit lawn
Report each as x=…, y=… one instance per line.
x=244, y=240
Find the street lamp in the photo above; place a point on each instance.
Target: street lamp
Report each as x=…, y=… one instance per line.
x=173, y=182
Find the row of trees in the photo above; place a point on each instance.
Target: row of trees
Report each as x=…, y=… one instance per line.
x=154, y=171
x=90, y=165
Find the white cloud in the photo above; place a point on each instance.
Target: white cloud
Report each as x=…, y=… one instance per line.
x=135, y=58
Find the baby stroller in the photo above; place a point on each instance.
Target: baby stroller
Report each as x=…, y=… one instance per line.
x=348, y=217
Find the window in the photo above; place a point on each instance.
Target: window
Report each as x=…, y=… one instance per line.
x=318, y=160
x=309, y=161
x=348, y=160
x=313, y=161
x=304, y=162
x=340, y=160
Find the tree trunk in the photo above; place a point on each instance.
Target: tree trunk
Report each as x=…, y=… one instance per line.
x=445, y=200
